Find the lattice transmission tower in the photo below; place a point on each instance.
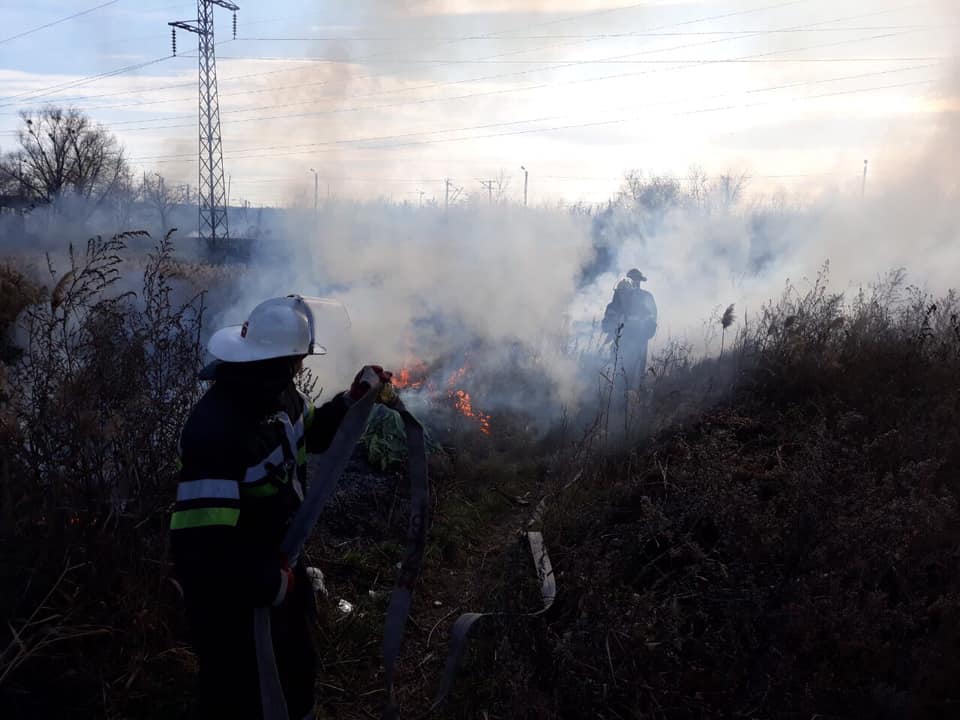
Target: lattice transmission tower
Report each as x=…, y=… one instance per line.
x=214, y=225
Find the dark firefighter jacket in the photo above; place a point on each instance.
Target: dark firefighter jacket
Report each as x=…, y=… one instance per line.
x=635, y=308
x=243, y=476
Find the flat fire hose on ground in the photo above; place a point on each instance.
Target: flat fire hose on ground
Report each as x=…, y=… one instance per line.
x=330, y=466
x=461, y=627
x=399, y=609
x=548, y=593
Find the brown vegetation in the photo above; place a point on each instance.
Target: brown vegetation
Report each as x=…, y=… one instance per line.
x=789, y=553
x=776, y=539
x=92, y=414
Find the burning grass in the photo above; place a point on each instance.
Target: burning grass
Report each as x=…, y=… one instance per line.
x=437, y=388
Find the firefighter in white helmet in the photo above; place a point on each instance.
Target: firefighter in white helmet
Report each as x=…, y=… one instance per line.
x=243, y=476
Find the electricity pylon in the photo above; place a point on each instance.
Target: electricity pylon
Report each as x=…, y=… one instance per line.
x=214, y=225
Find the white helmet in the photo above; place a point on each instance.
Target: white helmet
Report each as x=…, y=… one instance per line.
x=279, y=327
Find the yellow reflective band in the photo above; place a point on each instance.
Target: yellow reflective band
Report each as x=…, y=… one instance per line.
x=204, y=517
x=266, y=490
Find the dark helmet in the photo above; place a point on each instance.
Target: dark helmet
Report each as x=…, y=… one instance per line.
x=637, y=276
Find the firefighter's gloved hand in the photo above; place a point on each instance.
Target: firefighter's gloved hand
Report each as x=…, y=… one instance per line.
x=287, y=581
x=369, y=376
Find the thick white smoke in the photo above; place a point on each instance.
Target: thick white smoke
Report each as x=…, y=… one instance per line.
x=426, y=285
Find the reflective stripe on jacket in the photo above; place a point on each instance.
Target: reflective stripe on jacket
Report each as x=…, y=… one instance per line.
x=243, y=475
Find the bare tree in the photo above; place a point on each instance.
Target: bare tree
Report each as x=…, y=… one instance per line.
x=161, y=198
x=654, y=194
x=698, y=187
x=122, y=202
x=730, y=188
x=501, y=184
x=63, y=152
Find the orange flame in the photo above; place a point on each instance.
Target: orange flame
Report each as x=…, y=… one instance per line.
x=416, y=376
x=456, y=377
x=464, y=405
x=412, y=377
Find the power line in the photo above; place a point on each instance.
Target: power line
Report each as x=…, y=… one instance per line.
x=529, y=71
x=610, y=36
x=778, y=87
x=42, y=92
x=660, y=50
x=422, y=180
x=665, y=61
x=57, y=22
x=474, y=80
x=499, y=92
x=694, y=21
x=332, y=146
x=250, y=75
x=757, y=57
x=573, y=63
x=599, y=123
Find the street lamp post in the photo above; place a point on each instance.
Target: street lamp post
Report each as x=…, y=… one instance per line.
x=526, y=178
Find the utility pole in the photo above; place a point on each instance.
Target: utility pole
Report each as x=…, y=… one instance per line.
x=488, y=184
x=526, y=178
x=863, y=188
x=421, y=197
x=452, y=192
x=212, y=196
x=316, y=191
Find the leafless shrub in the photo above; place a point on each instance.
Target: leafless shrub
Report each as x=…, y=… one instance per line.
x=105, y=382
x=92, y=414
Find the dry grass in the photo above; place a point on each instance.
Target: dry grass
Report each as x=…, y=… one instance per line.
x=771, y=533
x=94, y=408
x=786, y=554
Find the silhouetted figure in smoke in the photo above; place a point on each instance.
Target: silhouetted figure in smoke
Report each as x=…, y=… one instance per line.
x=635, y=309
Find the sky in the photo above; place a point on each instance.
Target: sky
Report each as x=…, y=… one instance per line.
x=383, y=98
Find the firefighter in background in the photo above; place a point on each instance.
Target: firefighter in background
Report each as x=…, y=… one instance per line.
x=243, y=476
x=635, y=310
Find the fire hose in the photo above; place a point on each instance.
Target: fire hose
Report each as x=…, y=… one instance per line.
x=330, y=466
x=461, y=627
x=459, y=633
